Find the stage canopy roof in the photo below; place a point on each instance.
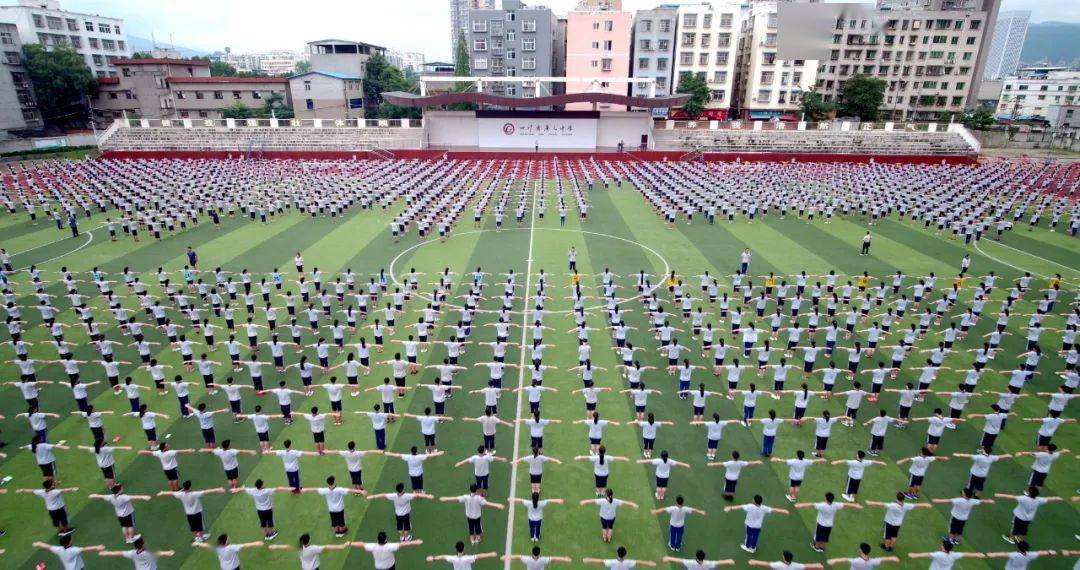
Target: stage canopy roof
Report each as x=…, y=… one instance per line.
x=403, y=99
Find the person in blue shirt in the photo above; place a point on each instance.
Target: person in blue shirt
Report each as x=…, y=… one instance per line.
x=193, y=258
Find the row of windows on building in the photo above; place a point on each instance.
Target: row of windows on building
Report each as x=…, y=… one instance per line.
x=199, y=95
x=497, y=28
x=481, y=44
x=57, y=23
x=76, y=42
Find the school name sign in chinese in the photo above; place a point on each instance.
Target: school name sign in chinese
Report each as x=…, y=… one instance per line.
x=532, y=132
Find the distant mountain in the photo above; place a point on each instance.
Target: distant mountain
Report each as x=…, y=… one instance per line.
x=144, y=44
x=1056, y=43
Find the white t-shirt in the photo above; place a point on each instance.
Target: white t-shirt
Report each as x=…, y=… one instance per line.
x=70, y=557
x=755, y=515
x=383, y=554
x=335, y=498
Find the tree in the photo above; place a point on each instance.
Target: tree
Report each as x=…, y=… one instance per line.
x=861, y=97
x=694, y=85
x=276, y=106
x=814, y=107
x=141, y=55
x=980, y=118
x=301, y=67
x=61, y=82
x=461, y=69
x=236, y=111
x=381, y=78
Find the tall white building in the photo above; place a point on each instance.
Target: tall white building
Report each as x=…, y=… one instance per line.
x=707, y=38
x=459, y=18
x=653, y=49
x=767, y=86
x=99, y=39
x=1032, y=93
x=1006, y=44
x=406, y=60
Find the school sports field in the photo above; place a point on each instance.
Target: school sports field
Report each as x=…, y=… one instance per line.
x=621, y=233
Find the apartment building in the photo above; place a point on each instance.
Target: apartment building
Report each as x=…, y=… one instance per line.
x=406, y=61
x=515, y=41
x=157, y=88
x=597, y=47
x=766, y=86
x=18, y=107
x=1035, y=90
x=931, y=55
x=98, y=39
x=707, y=42
x=342, y=56
x=653, y=49
x=459, y=18
x=1006, y=44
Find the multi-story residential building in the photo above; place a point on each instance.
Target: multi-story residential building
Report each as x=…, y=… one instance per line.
x=930, y=53
x=98, y=39
x=321, y=94
x=177, y=89
x=1032, y=93
x=1006, y=44
x=707, y=41
x=459, y=18
x=516, y=41
x=653, y=49
x=766, y=86
x=597, y=47
x=406, y=61
x=18, y=108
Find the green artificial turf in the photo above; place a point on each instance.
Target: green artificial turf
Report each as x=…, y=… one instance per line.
x=619, y=228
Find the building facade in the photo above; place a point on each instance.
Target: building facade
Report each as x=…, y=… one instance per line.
x=1006, y=44
x=516, y=41
x=707, y=46
x=327, y=95
x=931, y=56
x=459, y=18
x=653, y=49
x=598, y=46
x=342, y=56
x=1032, y=93
x=18, y=107
x=406, y=61
x=177, y=89
x=766, y=86
x=98, y=39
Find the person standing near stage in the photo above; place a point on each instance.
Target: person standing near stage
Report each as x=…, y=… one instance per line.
x=866, y=244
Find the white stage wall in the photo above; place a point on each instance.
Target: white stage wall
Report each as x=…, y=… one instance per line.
x=523, y=132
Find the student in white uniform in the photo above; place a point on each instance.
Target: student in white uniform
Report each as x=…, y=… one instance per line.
x=383, y=552
x=141, y=557
x=863, y=561
x=70, y=556
x=228, y=555
x=699, y=562
x=536, y=561
x=459, y=560
x=945, y=558
x=620, y=562
x=309, y=553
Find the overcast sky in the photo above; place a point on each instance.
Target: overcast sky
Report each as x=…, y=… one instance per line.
x=410, y=25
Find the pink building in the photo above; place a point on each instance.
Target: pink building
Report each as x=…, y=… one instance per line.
x=598, y=46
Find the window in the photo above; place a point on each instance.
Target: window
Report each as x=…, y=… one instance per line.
x=725, y=20
x=309, y=104
x=643, y=63
x=706, y=21
x=528, y=44
x=39, y=22
x=161, y=83
x=689, y=39
x=120, y=44
x=646, y=25
x=596, y=45
x=974, y=24
x=88, y=25
x=108, y=45
x=768, y=58
x=596, y=25
x=645, y=45
x=511, y=54
x=218, y=95
x=665, y=25
x=719, y=77
x=98, y=61
x=256, y=95
x=511, y=90
x=605, y=64
x=609, y=25
x=7, y=38
x=703, y=59
x=200, y=95
x=721, y=58
x=717, y=95
x=528, y=63
x=663, y=45
x=607, y=45
x=686, y=58
x=235, y=94
x=689, y=20
x=11, y=57
x=480, y=63
x=767, y=77
x=528, y=25
x=129, y=95
x=72, y=25
x=661, y=83
x=181, y=95
x=661, y=64
x=76, y=42
x=479, y=44
x=705, y=39
x=479, y=26
x=105, y=28
x=763, y=95
x=93, y=42
x=125, y=71
x=116, y=29
x=112, y=96
x=723, y=40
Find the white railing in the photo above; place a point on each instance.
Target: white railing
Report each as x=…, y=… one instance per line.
x=104, y=135
x=269, y=123
x=966, y=134
x=739, y=125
